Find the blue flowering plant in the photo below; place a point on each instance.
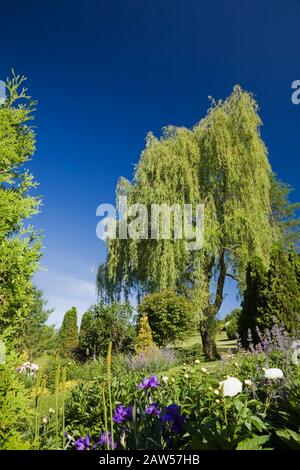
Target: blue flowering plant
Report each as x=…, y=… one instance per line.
x=144, y=424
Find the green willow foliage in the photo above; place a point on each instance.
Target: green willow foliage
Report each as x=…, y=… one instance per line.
x=19, y=245
x=223, y=163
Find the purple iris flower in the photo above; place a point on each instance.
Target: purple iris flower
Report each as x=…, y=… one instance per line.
x=83, y=443
x=152, y=382
x=153, y=409
x=174, y=418
x=103, y=440
x=122, y=414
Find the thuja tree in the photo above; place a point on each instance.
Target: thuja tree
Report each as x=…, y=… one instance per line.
x=67, y=341
x=271, y=295
x=19, y=245
x=222, y=162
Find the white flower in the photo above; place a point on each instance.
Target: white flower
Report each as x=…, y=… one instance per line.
x=186, y=376
x=248, y=382
x=218, y=401
x=197, y=361
x=204, y=370
x=273, y=373
x=165, y=379
x=45, y=420
x=231, y=387
x=216, y=392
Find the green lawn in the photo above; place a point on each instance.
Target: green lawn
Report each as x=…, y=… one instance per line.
x=191, y=349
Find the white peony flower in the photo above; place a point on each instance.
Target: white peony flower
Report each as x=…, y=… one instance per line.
x=273, y=373
x=197, y=361
x=231, y=387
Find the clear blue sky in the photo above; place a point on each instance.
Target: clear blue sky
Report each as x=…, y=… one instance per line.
x=107, y=72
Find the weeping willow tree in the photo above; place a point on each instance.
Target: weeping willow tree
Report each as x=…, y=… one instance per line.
x=222, y=163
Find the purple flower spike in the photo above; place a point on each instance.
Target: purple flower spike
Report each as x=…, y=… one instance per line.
x=153, y=409
x=152, y=382
x=122, y=414
x=83, y=443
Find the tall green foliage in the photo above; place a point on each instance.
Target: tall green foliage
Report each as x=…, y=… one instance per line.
x=15, y=417
x=271, y=294
x=284, y=212
x=36, y=336
x=19, y=245
x=68, y=334
x=223, y=163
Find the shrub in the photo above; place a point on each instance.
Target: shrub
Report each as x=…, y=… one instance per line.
x=152, y=359
x=14, y=417
x=170, y=316
x=232, y=329
x=144, y=338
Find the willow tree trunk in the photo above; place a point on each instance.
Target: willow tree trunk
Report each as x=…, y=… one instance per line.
x=209, y=344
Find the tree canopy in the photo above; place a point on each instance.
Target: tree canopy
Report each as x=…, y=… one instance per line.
x=221, y=162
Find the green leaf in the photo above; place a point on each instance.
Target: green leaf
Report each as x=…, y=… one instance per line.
x=253, y=443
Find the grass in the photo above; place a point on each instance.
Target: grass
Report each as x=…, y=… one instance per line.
x=191, y=349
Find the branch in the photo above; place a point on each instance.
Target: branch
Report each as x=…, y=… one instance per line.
x=221, y=282
x=232, y=277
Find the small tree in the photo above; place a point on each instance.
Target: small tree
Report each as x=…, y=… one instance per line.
x=85, y=343
x=68, y=334
x=36, y=336
x=170, y=316
x=231, y=323
x=104, y=323
x=144, y=338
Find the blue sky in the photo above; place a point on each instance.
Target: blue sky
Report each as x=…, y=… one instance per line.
x=107, y=72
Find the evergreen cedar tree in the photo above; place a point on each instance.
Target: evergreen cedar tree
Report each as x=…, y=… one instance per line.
x=19, y=246
x=144, y=338
x=223, y=163
x=272, y=295
x=67, y=341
